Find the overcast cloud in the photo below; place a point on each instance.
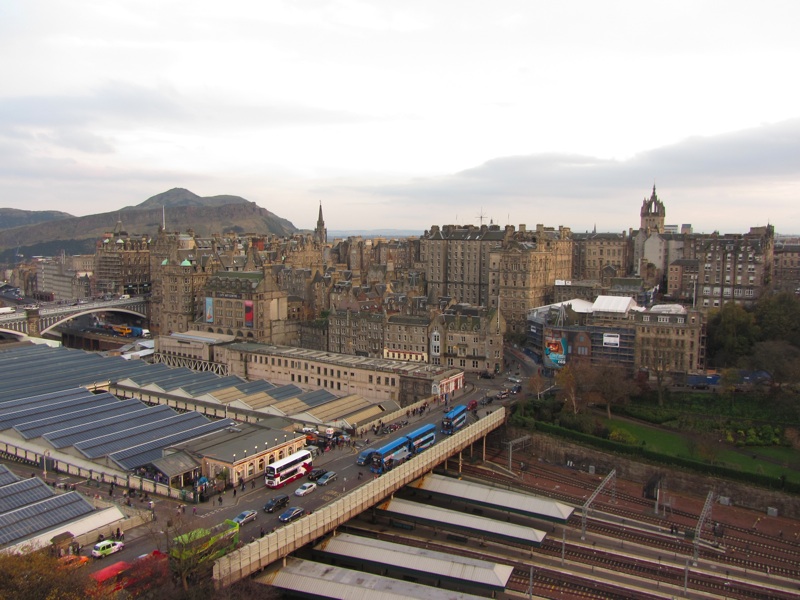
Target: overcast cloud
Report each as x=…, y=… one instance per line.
x=406, y=115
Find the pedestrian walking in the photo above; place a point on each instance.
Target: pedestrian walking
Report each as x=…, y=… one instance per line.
x=118, y=533
x=234, y=492
x=194, y=511
x=121, y=534
x=359, y=475
x=253, y=484
x=220, y=500
x=183, y=508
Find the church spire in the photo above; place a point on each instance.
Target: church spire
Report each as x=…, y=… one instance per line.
x=320, y=233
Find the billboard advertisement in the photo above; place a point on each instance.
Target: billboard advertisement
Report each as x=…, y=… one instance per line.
x=248, y=313
x=209, y=310
x=555, y=350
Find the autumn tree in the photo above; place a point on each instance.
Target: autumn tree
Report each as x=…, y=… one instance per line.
x=39, y=575
x=574, y=382
x=613, y=384
x=538, y=383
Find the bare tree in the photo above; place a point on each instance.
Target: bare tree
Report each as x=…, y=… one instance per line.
x=575, y=383
x=660, y=357
x=537, y=383
x=613, y=384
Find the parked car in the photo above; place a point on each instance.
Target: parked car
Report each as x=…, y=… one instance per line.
x=72, y=561
x=275, y=503
x=106, y=547
x=486, y=375
x=327, y=478
x=365, y=456
x=316, y=474
x=305, y=489
x=295, y=512
x=245, y=517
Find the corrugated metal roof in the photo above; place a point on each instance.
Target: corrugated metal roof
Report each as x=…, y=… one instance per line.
x=449, y=566
x=491, y=528
x=485, y=495
x=326, y=581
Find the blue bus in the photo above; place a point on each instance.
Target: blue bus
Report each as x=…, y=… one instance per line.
x=389, y=456
x=454, y=420
x=422, y=438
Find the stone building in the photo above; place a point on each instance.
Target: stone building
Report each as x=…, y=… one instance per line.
x=733, y=267
x=786, y=261
x=406, y=337
x=122, y=264
x=375, y=379
x=468, y=337
x=670, y=341
x=523, y=273
x=249, y=306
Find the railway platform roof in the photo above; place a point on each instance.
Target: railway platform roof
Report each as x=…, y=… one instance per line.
x=491, y=497
x=317, y=580
x=416, y=561
x=485, y=527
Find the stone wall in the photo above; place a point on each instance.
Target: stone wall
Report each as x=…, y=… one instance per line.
x=561, y=452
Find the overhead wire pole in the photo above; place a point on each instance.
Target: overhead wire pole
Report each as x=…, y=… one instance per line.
x=699, y=529
x=511, y=446
x=610, y=477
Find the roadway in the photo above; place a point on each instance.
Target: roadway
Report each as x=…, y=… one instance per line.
x=146, y=538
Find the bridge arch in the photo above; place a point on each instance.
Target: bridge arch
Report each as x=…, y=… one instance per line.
x=88, y=311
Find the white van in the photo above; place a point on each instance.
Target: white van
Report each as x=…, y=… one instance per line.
x=125, y=297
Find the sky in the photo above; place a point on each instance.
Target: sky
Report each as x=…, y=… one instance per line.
x=408, y=114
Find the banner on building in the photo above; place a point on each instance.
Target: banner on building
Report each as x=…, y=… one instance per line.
x=209, y=310
x=555, y=351
x=248, y=313
x=611, y=340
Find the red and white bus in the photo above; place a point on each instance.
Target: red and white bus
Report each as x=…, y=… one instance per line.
x=288, y=469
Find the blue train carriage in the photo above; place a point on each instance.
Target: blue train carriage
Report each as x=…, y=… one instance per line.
x=389, y=456
x=422, y=438
x=454, y=420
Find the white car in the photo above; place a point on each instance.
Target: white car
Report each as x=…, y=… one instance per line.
x=106, y=547
x=304, y=489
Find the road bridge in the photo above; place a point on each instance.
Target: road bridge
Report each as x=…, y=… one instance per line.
x=35, y=322
x=285, y=540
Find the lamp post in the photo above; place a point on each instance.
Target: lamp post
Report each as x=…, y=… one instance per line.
x=233, y=469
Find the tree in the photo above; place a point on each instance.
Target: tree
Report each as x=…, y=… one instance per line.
x=574, y=381
x=778, y=317
x=660, y=357
x=613, y=384
x=778, y=358
x=538, y=384
x=732, y=332
x=39, y=575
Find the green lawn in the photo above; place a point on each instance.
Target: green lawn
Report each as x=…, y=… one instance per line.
x=770, y=460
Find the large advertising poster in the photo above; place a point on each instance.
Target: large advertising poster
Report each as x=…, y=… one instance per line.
x=209, y=310
x=248, y=313
x=555, y=350
x=611, y=340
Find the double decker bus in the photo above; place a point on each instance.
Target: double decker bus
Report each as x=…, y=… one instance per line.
x=288, y=469
x=390, y=455
x=112, y=578
x=206, y=544
x=454, y=420
x=422, y=438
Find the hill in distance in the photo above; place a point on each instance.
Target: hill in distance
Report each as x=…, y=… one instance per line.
x=182, y=210
x=14, y=217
